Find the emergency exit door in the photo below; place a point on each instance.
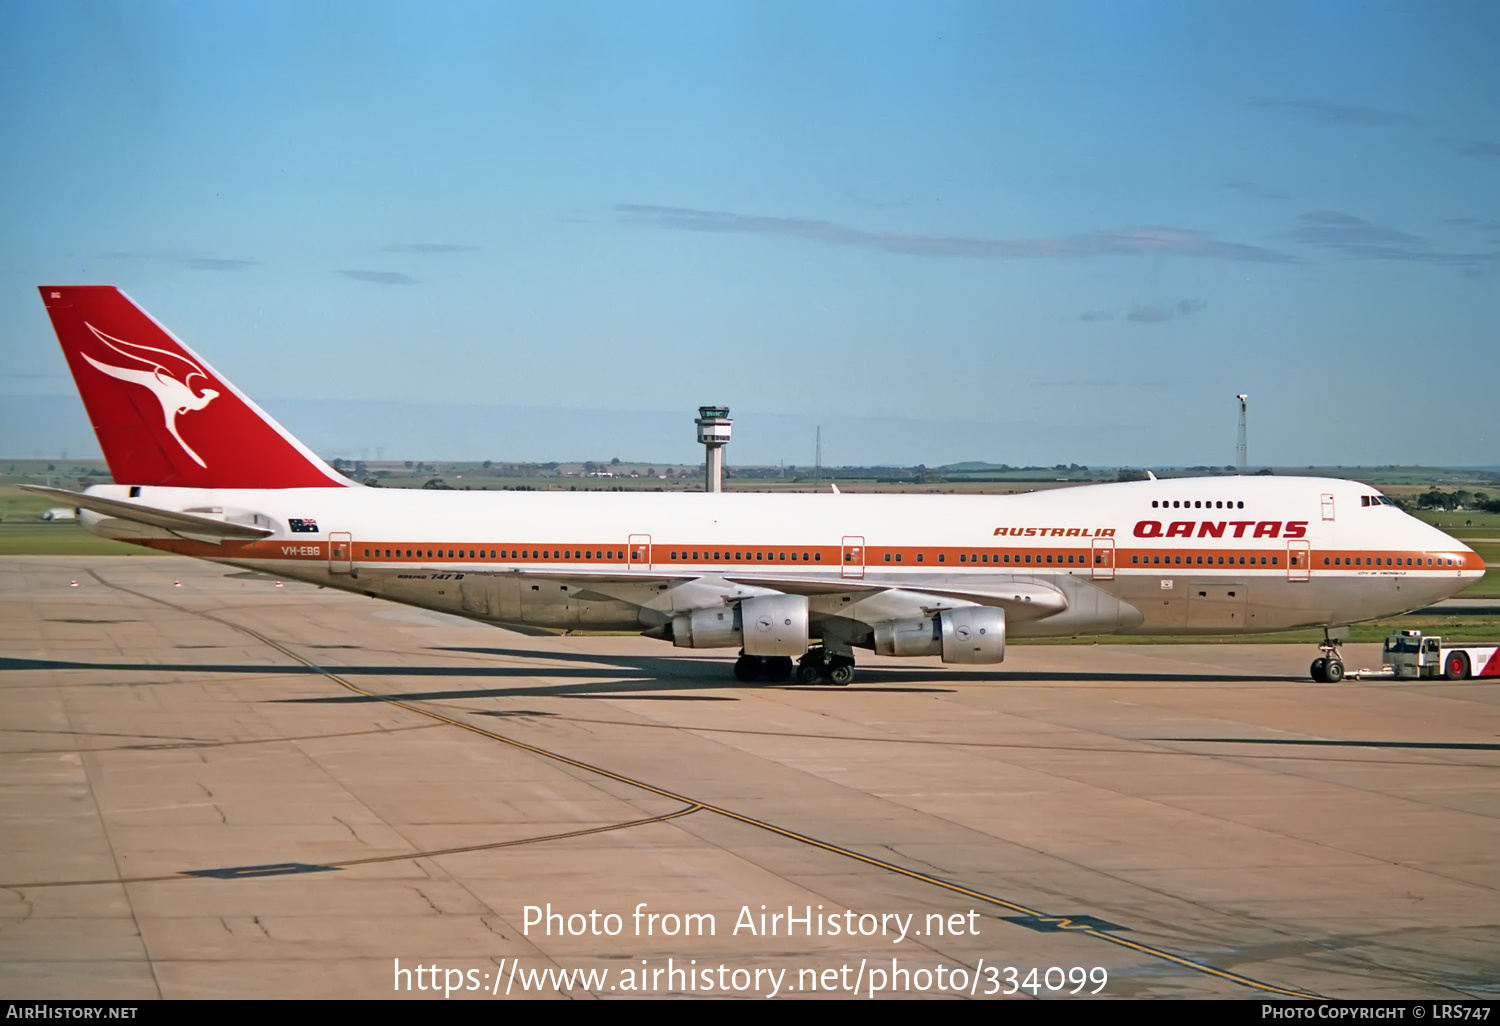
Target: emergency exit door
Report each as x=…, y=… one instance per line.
x=1299, y=561
x=639, y=552
x=852, y=561
x=340, y=552
x=1104, y=559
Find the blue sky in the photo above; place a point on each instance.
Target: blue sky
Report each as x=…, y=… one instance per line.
x=1012, y=232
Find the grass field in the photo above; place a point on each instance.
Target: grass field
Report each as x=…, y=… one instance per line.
x=64, y=539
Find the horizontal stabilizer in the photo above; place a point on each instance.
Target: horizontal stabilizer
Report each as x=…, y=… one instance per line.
x=170, y=520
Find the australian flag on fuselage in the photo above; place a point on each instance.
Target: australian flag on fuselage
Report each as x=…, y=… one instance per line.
x=302, y=526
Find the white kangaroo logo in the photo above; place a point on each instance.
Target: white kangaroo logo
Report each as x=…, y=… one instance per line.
x=176, y=397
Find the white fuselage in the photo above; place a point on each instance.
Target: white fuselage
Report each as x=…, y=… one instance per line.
x=1198, y=555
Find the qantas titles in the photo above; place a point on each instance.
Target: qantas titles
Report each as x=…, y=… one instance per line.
x=1216, y=528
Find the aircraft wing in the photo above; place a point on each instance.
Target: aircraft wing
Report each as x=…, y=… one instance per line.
x=181, y=523
x=1026, y=600
x=1022, y=600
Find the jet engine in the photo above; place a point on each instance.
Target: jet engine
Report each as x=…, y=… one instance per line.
x=970, y=634
x=707, y=628
x=973, y=634
x=767, y=625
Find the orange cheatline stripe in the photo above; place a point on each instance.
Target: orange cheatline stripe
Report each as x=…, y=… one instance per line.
x=948, y=557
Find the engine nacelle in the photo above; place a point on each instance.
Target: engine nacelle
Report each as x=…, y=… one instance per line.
x=908, y=637
x=707, y=628
x=770, y=625
x=774, y=625
x=973, y=634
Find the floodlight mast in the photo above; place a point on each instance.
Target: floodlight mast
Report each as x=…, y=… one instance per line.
x=1240, y=449
x=713, y=431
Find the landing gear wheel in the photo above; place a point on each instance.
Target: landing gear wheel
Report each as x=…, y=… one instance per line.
x=747, y=669
x=1457, y=666
x=841, y=672
x=1328, y=668
x=809, y=670
x=778, y=668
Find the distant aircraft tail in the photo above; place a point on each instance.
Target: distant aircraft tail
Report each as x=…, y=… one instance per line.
x=163, y=415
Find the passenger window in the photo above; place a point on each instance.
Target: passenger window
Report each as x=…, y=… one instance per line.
x=1028, y=557
x=804, y=557
x=783, y=557
x=942, y=557
x=898, y=557
x=919, y=557
x=817, y=557
x=887, y=557
x=759, y=556
x=1135, y=559
x=961, y=557
x=1153, y=503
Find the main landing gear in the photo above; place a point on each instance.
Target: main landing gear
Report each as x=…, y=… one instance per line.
x=819, y=665
x=1328, y=668
x=775, y=669
x=816, y=665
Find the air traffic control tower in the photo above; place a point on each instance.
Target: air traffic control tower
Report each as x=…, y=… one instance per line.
x=713, y=431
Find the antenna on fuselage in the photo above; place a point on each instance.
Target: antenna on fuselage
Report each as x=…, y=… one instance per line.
x=1239, y=449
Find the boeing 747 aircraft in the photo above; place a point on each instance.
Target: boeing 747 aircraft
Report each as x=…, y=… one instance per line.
x=203, y=472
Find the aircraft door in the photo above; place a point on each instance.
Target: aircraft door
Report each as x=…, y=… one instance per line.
x=340, y=552
x=639, y=552
x=1104, y=559
x=1327, y=505
x=1299, y=561
x=852, y=562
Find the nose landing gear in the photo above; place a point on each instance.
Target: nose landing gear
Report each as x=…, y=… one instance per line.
x=1328, y=668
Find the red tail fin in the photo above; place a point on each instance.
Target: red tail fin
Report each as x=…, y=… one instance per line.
x=163, y=415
